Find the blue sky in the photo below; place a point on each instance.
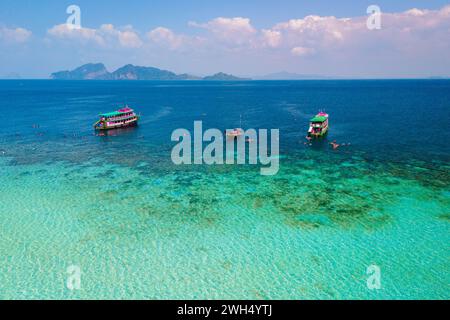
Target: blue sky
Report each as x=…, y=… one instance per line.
x=250, y=37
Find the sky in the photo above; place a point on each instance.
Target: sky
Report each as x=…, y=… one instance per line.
x=243, y=37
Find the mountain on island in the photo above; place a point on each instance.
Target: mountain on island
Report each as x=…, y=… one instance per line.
x=91, y=71
x=98, y=71
x=131, y=72
x=223, y=77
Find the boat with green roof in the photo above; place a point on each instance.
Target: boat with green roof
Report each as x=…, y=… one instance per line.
x=125, y=117
x=318, y=126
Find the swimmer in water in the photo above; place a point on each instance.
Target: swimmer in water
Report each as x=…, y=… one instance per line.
x=335, y=145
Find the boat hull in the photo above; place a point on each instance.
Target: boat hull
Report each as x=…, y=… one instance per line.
x=123, y=125
x=323, y=133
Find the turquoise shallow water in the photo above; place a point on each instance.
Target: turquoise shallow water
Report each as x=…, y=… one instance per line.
x=140, y=227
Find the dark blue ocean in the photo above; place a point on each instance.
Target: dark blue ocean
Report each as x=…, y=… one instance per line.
x=392, y=117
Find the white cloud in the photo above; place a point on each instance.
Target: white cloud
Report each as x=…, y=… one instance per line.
x=18, y=35
x=399, y=31
x=299, y=37
x=415, y=12
x=302, y=51
x=233, y=31
x=63, y=31
x=107, y=35
x=166, y=37
x=126, y=37
x=315, y=32
x=271, y=38
x=129, y=39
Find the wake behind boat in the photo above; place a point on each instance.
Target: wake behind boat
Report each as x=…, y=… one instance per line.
x=125, y=117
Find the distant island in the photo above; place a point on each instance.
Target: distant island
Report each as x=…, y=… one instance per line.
x=98, y=71
x=11, y=76
x=284, y=75
x=224, y=77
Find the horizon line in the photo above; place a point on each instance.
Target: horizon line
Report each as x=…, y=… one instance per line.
x=324, y=78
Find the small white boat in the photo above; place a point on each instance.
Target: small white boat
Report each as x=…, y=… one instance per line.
x=236, y=132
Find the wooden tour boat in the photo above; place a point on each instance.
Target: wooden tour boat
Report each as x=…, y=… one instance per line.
x=125, y=117
x=318, y=126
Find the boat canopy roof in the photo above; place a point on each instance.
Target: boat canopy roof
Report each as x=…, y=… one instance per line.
x=120, y=112
x=111, y=114
x=319, y=119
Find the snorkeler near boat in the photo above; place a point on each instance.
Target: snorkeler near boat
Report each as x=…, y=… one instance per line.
x=125, y=117
x=336, y=145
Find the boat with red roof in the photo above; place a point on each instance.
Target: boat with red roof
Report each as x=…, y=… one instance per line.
x=125, y=117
